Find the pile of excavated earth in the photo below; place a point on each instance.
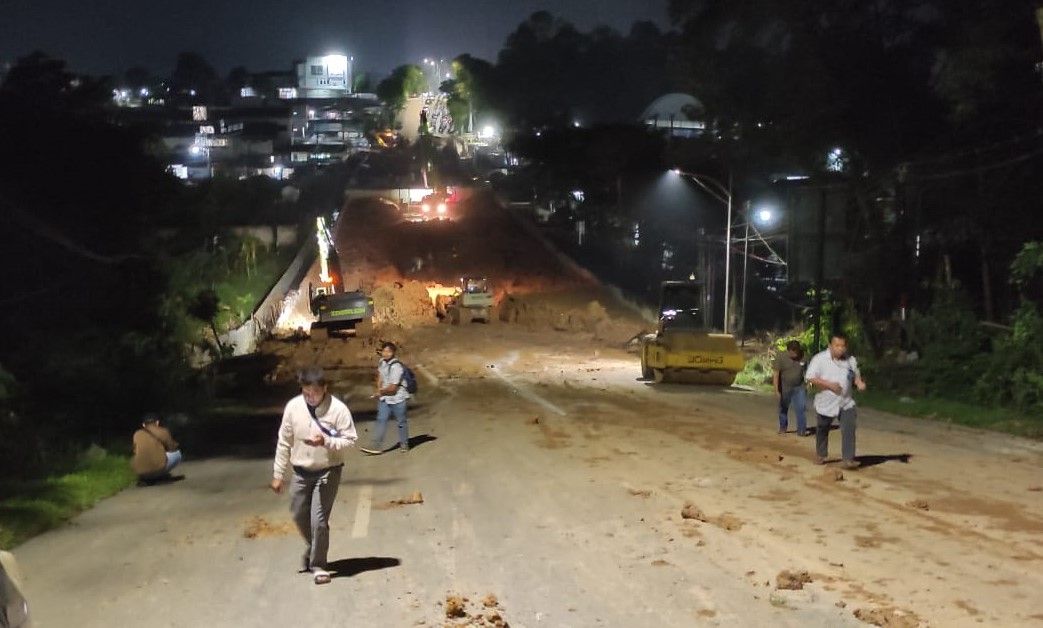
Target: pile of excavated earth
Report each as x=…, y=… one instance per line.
x=403, y=266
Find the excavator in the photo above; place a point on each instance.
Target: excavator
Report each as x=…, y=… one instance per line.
x=682, y=349
x=334, y=308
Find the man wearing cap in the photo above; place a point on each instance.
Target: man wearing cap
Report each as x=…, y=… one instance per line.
x=316, y=429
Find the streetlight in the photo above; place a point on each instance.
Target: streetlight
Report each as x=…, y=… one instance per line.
x=764, y=216
x=723, y=194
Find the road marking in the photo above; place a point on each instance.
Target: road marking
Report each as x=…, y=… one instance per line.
x=361, y=527
x=527, y=394
x=428, y=375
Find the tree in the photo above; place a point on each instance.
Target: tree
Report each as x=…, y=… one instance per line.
x=39, y=83
x=191, y=74
x=405, y=81
x=238, y=78
x=361, y=82
x=83, y=312
x=471, y=91
x=138, y=77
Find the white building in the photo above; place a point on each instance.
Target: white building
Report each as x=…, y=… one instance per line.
x=328, y=76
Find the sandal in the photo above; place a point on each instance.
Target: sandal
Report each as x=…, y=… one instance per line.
x=321, y=576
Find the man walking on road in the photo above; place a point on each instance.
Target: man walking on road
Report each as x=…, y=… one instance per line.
x=788, y=381
x=392, y=397
x=316, y=429
x=835, y=373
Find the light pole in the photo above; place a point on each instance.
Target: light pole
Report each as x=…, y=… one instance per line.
x=722, y=193
x=764, y=216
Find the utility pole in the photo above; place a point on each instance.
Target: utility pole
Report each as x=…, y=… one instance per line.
x=745, y=277
x=728, y=256
x=820, y=277
x=704, y=275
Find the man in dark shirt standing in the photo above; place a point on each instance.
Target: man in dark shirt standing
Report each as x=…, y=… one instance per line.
x=789, y=387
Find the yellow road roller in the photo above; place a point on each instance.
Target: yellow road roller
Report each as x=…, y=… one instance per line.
x=682, y=349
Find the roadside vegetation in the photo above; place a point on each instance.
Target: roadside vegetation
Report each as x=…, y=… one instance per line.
x=29, y=507
x=104, y=318
x=947, y=366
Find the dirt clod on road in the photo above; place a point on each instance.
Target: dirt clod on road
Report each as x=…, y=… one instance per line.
x=792, y=580
x=887, y=617
x=691, y=511
x=455, y=606
x=415, y=498
x=260, y=528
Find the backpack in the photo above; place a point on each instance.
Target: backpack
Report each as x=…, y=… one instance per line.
x=408, y=378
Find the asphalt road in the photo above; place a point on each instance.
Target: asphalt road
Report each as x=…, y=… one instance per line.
x=554, y=480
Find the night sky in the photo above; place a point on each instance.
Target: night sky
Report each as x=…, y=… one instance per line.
x=109, y=36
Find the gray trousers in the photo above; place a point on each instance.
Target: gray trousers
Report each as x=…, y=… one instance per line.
x=847, y=420
x=311, y=501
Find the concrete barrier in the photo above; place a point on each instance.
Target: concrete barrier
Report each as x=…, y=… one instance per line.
x=244, y=339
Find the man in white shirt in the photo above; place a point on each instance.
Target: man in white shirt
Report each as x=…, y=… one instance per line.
x=316, y=429
x=392, y=398
x=835, y=374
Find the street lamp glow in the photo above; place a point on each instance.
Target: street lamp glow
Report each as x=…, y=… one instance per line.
x=765, y=216
x=487, y=131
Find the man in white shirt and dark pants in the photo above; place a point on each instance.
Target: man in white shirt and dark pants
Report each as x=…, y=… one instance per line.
x=835, y=374
x=316, y=429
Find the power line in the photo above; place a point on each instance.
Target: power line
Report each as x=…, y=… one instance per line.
x=977, y=150
x=978, y=169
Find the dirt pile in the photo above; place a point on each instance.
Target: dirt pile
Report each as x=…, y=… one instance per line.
x=403, y=304
x=578, y=312
x=725, y=521
x=792, y=580
x=415, y=498
x=691, y=511
x=462, y=612
x=887, y=617
x=260, y=528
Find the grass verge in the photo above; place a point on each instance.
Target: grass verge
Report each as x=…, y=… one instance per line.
x=34, y=507
x=961, y=413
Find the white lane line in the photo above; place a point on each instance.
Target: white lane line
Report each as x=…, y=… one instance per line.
x=428, y=375
x=528, y=394
x=361, y=526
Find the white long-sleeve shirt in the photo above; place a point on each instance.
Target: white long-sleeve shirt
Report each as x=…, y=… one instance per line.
x=298, y=425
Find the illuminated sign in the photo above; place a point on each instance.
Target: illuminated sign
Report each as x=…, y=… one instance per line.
x=199, y=113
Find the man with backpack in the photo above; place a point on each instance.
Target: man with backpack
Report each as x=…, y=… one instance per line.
x=394, y=384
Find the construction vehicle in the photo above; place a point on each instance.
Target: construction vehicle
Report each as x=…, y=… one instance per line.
x=472, y=301
x=334, y=308
x=683, y=349
x=339, y=311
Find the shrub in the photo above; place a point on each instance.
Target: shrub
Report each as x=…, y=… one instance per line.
x=948, y=337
